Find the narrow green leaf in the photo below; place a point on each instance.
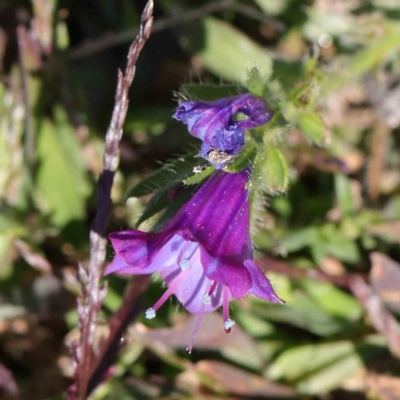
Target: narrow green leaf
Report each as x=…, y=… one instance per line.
x=312, y=127
x=298, y=361
x=72, y=150
x=245, y=157
x=298, y=239
x=255, y=82
x=304, y=312
x=168, y=175
x=157, y=203
x=6, y=248
x=332, y=375
x=338, y=246
x=344, y=196
x=199, y=177
x=318, y=368
x=333, y=300
x=270, y=171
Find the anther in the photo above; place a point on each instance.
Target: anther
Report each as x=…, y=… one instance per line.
x=206, y=298
x=184, y=264
x=150, y=313
x=228, y=324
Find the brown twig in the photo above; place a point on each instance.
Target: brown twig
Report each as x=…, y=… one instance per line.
x=382, y=320
x=93, y=292
x=378, y=145
x=109, y=40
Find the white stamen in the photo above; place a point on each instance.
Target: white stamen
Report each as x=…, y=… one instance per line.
x=206, y=298
x=228, y=324
x=150, y=313
x=184, y=264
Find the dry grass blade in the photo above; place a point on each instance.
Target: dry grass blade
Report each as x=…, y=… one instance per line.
x=382, y=320
x=93, y=292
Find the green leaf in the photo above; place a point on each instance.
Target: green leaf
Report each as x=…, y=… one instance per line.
x=343, y=248
x=157, y=203
x=168, y=175
x=318, y=368
x=303, y=312
x=312, y=126
x=255, y=82
x=6, y=247
x=199, y=177
x=270, y=171
x=273, y=7
x=332, y=375
x=73, y=151
x=337, y=245
x=334, y=301
x=299, y=239
x=57, y=177
x=257, y=327
x=245, y=157
x=226, y=51
x=298, y=361
x=344, y=196
x=322, y=241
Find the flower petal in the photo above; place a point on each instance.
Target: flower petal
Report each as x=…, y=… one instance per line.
x=194, y=285
x=235, y=276
x=218, y=217
x=143, y=253
x=261, y=286
x=214, y=123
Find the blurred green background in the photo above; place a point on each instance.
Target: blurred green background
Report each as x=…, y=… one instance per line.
x=328, y=234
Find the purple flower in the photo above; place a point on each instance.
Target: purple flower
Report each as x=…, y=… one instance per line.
x=213, y=122
x=204, y=254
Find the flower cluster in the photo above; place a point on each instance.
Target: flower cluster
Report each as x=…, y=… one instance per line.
x=204, y=254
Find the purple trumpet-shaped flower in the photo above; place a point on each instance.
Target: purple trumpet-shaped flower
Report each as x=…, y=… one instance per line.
x=204, y=254
x=213, y=122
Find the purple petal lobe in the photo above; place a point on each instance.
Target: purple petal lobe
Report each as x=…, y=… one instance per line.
x=143, y=253
x=235, y=276
x=261, y=286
